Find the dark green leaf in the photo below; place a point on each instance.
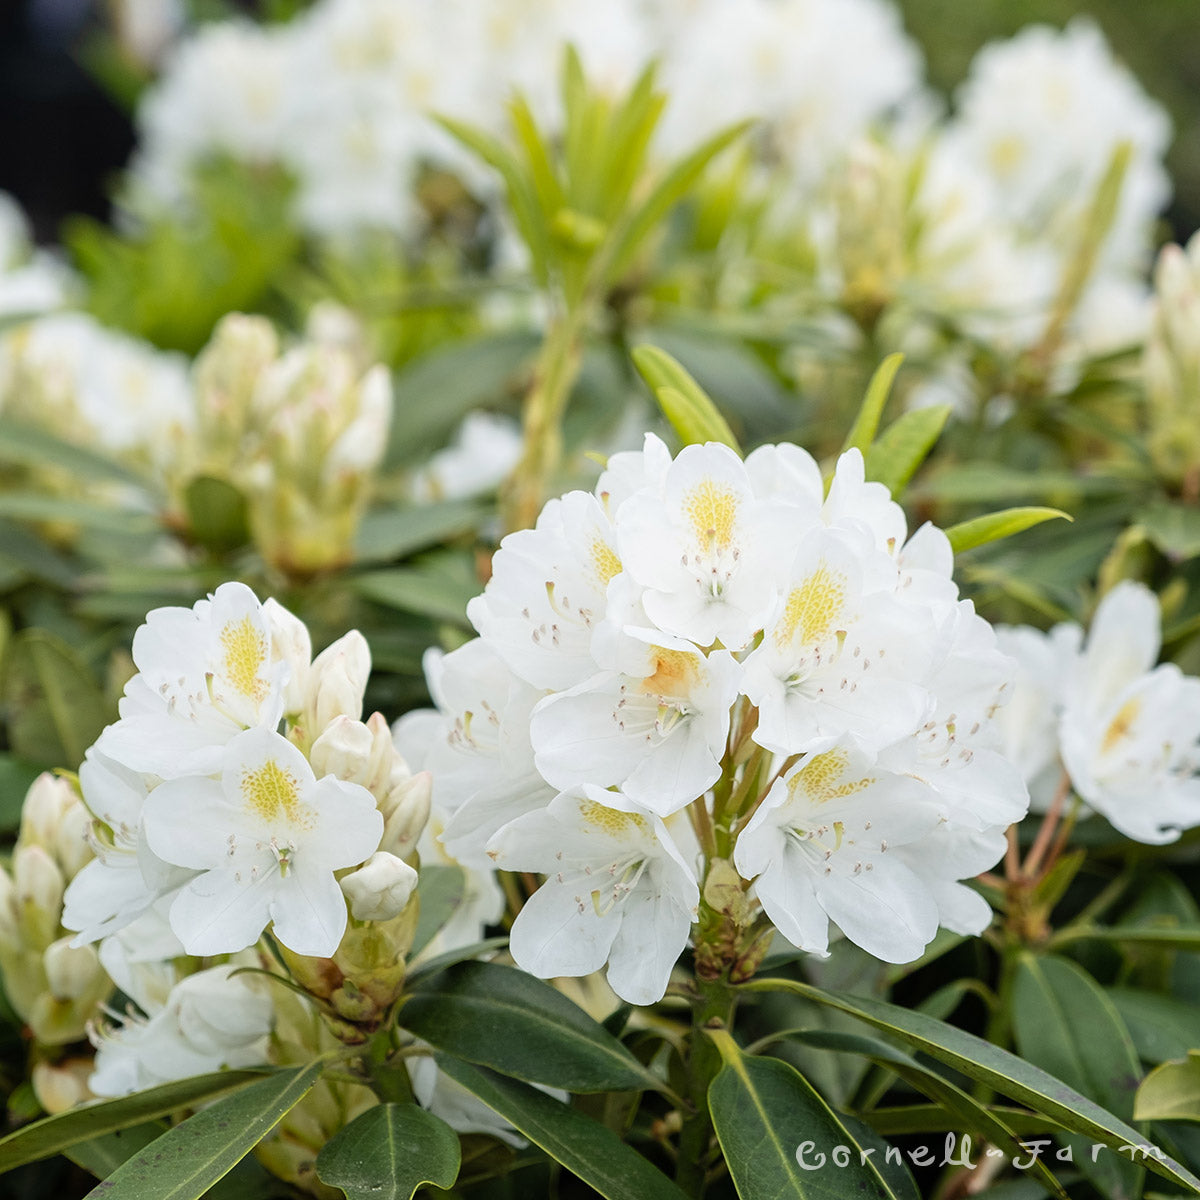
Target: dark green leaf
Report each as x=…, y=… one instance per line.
x=997, y=1068
x=15, y=779
x=393, y=533
x=53, y=1135
x=778, y=1136
x=429, y=591
x=388, y=1152
x=218, y=516
x=586, y=1148
x=1173, y=528
x=188, y=1159
x=54, y=707
x=1064, y=1022
x=1161, y=1027
x=440, y=891
x=508, y=1020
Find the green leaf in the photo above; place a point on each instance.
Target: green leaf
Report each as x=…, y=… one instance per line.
x=23, y=553
x=1063, y=1021
x=1173, y=528
x=440, y=890
x=33, y=447
x=893, y=458
x=506, y=1019
x=439, y=590
x=692, y=414
x=997, y=1068
x=971, y=1115
x=388, y=1152
x=777, y=1134
x=966, y=535
x=586, y=1148
x=1171, y=1092
x=1162, y=1027
x=188, y=1159
x=218, y=516
x=55, y=709
x=436, y=391
x=392, y=533
x=1169, y=938
x=36, y=506
x=866, y=424
x=16, y=776
x=53, y=1135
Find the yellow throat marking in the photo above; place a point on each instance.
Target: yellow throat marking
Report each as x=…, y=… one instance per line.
x=1122, y=723
x=245, y=654
x=604, y=560
x=712, y=509
x=821, y=778
x=611, y=820
x=813, y=609
x=273, y=793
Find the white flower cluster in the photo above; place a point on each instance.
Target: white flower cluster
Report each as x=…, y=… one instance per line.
x=705, y=640
x=31, y=281
x=1125, y=732
x=210, y=825
x=99, y=388
x=341, y=96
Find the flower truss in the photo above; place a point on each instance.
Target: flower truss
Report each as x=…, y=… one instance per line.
x=1124, y=733
x=710, y=662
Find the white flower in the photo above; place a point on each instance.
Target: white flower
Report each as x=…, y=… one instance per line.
x=706, y=550
x=656, y=730
x=617, y=890
x=820, y=848
x=205, y=674
x=210, y=1021
x=380, y=888
x=1130, y=730
x=266, y=838
x=484, y=450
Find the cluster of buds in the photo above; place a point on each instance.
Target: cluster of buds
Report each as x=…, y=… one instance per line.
x=54, y=986
x=1171, y=367
x=299, y=431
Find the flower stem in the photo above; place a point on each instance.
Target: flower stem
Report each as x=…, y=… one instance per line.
x=389, y=1081
x=712, y=1009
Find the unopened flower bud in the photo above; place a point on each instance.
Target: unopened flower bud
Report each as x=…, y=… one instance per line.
x=380, y=888
x=40, y=887
x=226, y=375
x=71, y=971
x=337, y=682
x=406, y=813
x=9, y=934
x=62, y=1085
x=71, y=845
x=46, y=803
x=343, y=749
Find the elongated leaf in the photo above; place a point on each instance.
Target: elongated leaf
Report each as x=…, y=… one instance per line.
x=866, y=424
x=36, y=506
x=218, y=515
x=505, y=1019
x=1162, y=1027
x=933, y=1118
x=1171, y=1092
x=586, y=1148
x=778, y=1135
x=440, y=890
x=684, y=402
x=893, y=458
x=972, y=1115
x=53, y=1135
x=15, y=777
x=1064, y=1022
x=389, y=1151
x=430, y=592
x=393, y=533
x=679, y=179
x=188, y=1159
x=457, y=955
x=23, y=553
x=980, y=1060
x=966, y=535
x=26, y=444
x=54, y=707
x=1178, y=938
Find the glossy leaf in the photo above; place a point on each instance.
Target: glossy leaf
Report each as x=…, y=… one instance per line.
x=388, y=1152
x=53, y=1135
x=777, y=1134
x=188, y=1159
x=1162, y=1027
x=585, y=1147
x=866, y=424
x=440, y=893
x=503, y=1018
x=1063, y=1021
x=991, y=528
x=1171, y=1092
x=893, y=458
x=693, y=416
x=998, y=1069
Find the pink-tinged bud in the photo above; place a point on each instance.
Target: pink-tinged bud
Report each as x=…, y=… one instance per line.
x=380, y=889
